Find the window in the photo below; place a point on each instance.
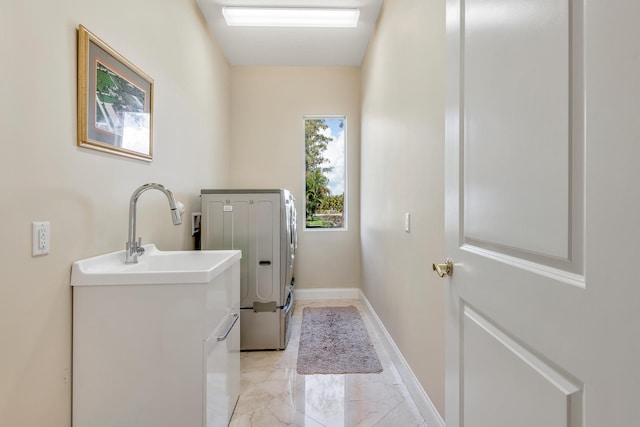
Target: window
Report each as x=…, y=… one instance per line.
x=325, y=172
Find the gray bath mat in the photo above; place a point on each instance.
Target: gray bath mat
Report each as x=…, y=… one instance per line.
x=334, y=340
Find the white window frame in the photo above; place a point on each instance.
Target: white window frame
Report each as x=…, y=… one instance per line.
x=345, y=216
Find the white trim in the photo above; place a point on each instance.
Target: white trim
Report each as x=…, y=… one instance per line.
x=420, y=397
x=567, y=277
x=326, y=293
x=345, y=204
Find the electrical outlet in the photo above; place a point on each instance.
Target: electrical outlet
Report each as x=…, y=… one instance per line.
x=41, y=238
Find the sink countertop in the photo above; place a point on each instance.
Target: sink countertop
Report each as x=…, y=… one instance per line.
x=153, y=267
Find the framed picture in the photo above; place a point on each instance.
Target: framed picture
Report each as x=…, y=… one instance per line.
x=115, y=101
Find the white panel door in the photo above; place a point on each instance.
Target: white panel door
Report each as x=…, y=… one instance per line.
x=542, y=213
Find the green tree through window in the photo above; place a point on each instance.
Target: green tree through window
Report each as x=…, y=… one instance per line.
x=325, y=172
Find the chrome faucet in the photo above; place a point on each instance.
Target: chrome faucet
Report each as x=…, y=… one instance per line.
x=134, y=248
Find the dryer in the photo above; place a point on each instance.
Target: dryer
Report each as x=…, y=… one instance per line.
x=262, y=224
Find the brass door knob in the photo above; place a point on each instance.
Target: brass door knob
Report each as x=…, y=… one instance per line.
x=445, y=269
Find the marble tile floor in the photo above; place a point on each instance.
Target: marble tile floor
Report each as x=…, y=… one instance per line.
x=273, y=394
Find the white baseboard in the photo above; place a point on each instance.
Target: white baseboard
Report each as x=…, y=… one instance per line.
x=326, y=293
x=420, y=397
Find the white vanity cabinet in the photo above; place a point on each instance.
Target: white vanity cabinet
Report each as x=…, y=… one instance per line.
x=157, y=354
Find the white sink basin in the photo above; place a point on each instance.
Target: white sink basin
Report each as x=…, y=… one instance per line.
x=153, y=267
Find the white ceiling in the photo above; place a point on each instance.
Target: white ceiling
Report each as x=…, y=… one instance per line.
x=293, y=46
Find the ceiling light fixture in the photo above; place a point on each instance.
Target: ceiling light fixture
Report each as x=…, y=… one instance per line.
x=290, y=17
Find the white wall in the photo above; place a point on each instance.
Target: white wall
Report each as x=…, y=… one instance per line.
x=267, y=132
x=84, y=194
x=402, y=171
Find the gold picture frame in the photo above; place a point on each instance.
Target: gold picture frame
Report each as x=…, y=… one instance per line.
x=115, y=101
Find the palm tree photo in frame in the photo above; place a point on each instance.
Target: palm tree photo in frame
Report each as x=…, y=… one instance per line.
x=115, y=101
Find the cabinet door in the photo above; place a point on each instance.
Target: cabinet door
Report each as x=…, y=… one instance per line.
x=222, y=372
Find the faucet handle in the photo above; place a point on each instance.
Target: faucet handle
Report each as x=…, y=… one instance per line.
x=139, y=248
